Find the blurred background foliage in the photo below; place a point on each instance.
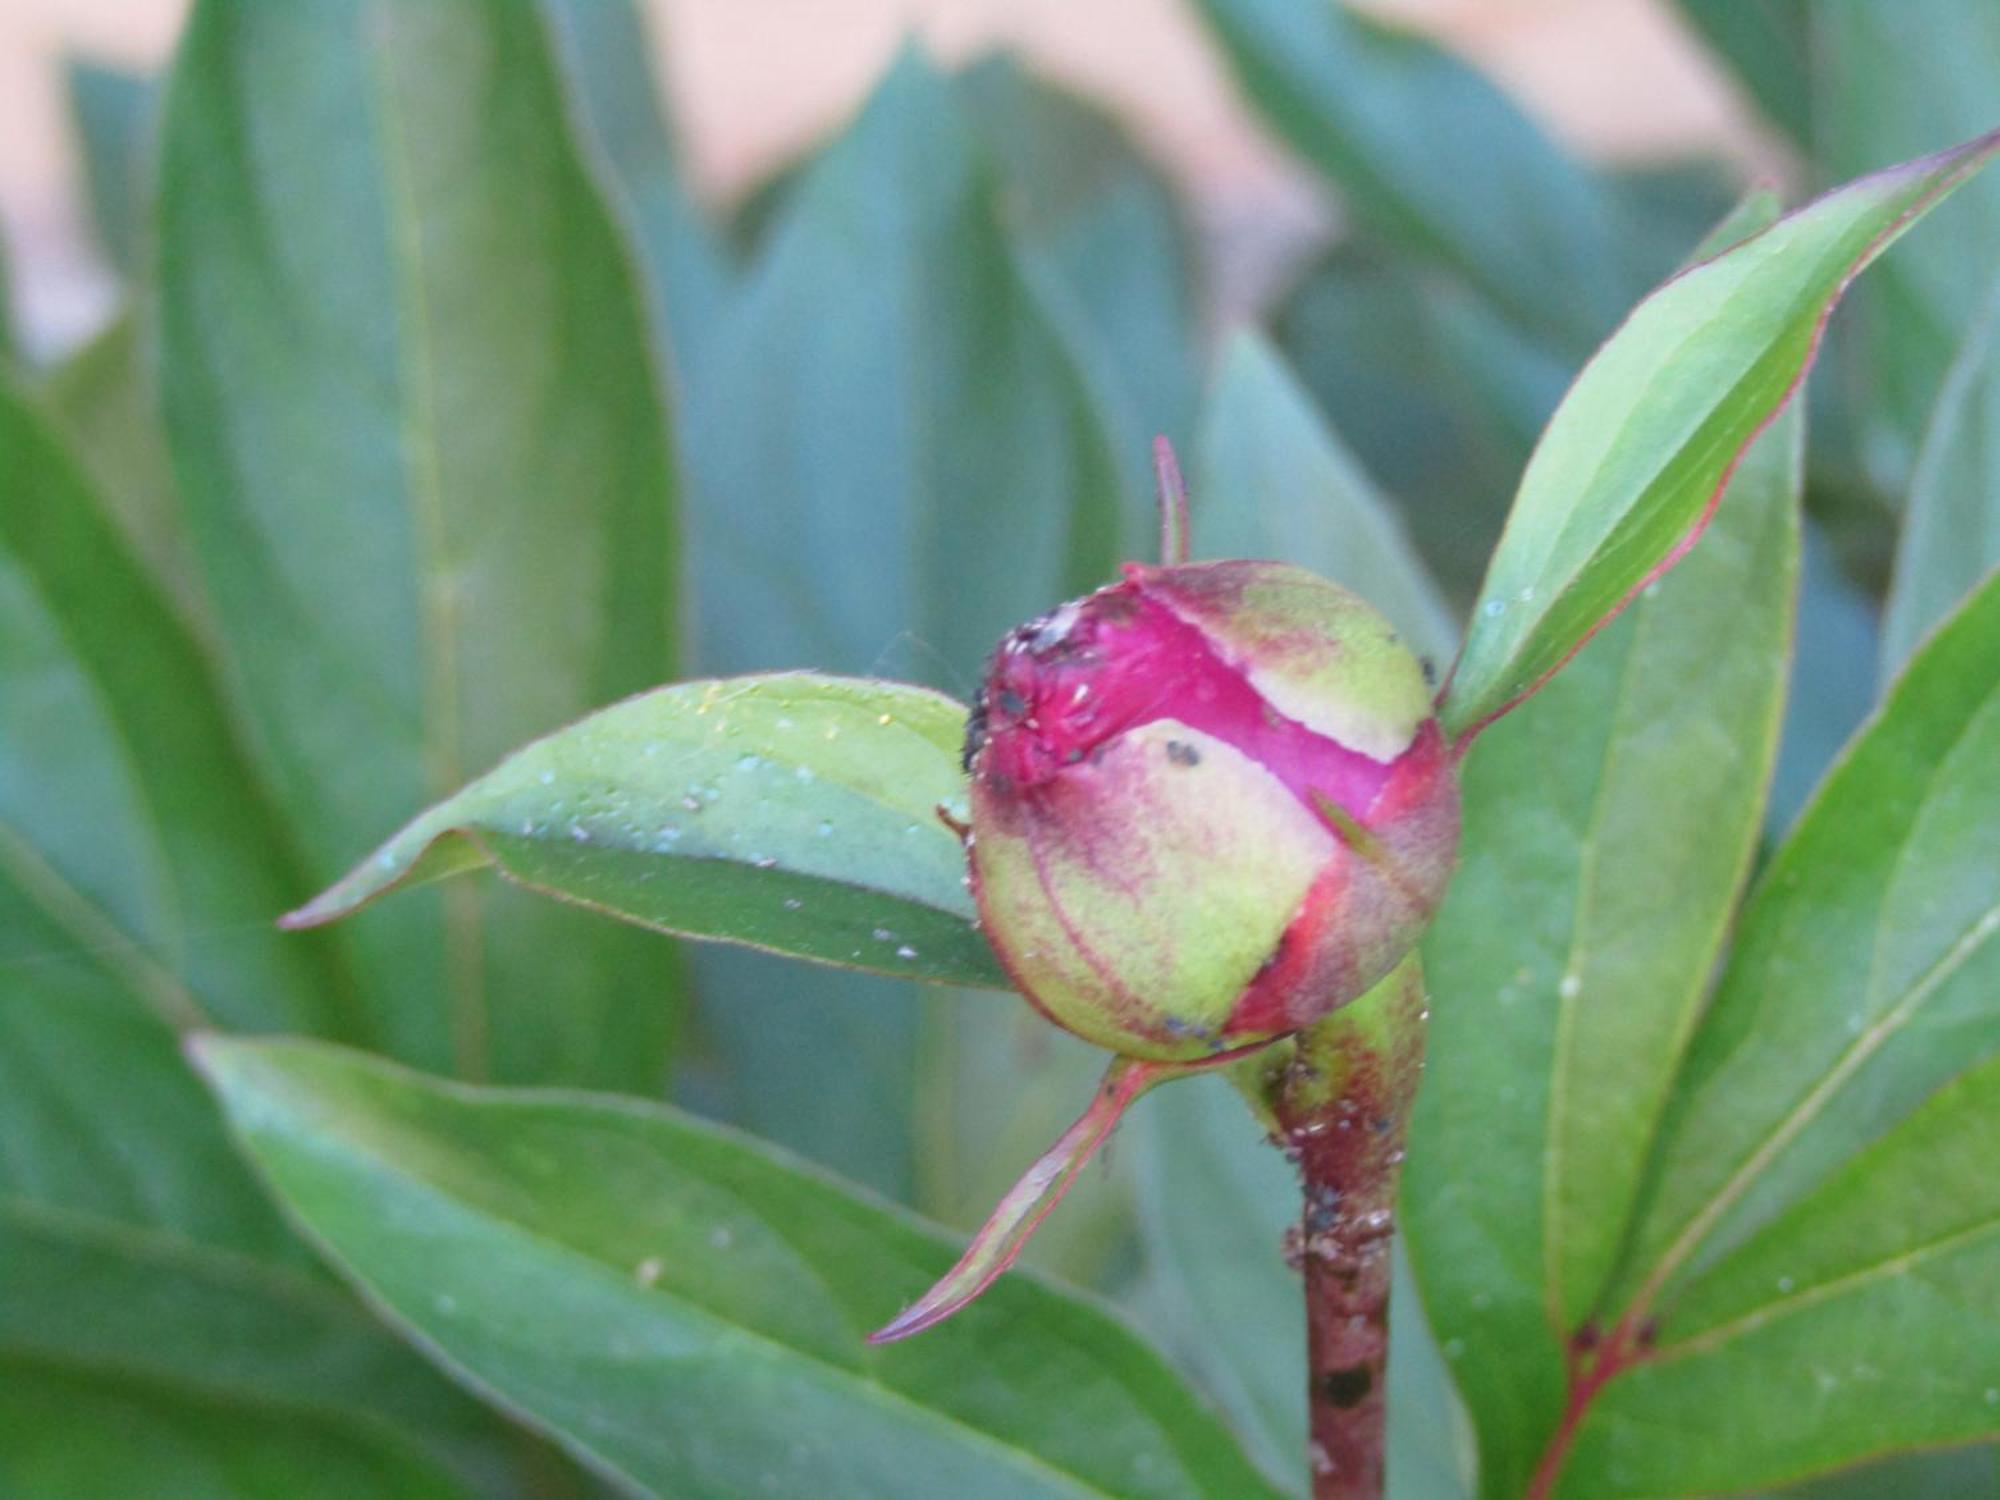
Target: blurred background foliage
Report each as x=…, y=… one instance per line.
x=891, y=402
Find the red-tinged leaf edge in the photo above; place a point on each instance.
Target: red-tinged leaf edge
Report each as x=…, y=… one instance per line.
x=1969, y=158
x=1006, y=1232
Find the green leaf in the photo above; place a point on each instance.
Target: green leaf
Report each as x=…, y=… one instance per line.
x=104, y=398
x=1100, y=227
x=1833, y=677
x=1216, y=1200
x=1635, y=458
x=1609, y=825
x=889, y=412
x=1439, y=396
x=1432, y=156
x=1951, y=534
x=1858, y=1322
x=686, y=1311
x=1889, y=85
x=789, y=812
x=53, y=1427
x=1272, y=480
x=112, y=111
x=1814, y=1250
x=1767, y=43
x=132, y=822
x=421, y=442
x=139, y=860
x=689, y=276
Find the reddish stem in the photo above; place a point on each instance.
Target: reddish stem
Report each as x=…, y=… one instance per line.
x=1341, y=1101
x=1593, y=1364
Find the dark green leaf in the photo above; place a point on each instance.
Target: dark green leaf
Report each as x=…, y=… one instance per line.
x=687, y=268
x=1271, y=480
x=1440, y=398
x=1892, y=83
x=1634, y=459
x=421, y=442
x=1767, y=44
x=1833, y=678
x=56, y=1444
x=113, y=111
x=104, y=398
x=896, y=458
x=1609, y=824
x=1433, y=156
x=1951, y=535
x=687, y=1311
x=788, y=812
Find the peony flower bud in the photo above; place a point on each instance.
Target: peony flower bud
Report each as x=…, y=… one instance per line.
x=1210, y=803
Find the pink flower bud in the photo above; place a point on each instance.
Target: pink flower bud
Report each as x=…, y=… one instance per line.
x=1210, y=804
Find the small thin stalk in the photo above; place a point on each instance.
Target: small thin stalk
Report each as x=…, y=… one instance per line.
x=1338, y=1099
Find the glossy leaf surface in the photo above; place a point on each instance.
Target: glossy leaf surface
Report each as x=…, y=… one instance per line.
x=421, y=441
x=686, y=1310
x=790, y=812
x=1575, y=946
x=1636, y=456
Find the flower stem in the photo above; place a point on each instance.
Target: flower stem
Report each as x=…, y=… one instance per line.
x=1338, y=1096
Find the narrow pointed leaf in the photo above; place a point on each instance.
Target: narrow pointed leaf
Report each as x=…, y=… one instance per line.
x=422, y=445
x=1005, y=1234
x=687, y=1311
x=1634, y=460
x=114, y=112
x=1609, y=825
x=1767, y=44
x=791, y=812
x=1951, y=529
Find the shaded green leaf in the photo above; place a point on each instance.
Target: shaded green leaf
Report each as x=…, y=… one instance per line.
x=1272, y=480
x=422, y=447
x=1431, y=155
x=895, y=459
x=687, y=1311
x=790, y=812
x=1609, y=824
x=1439, y=396
x=1635, y=458
x=53, y=1427
x=1767, y=44
x=1951, y=532
x=1892, y=83
x=687, y=268
x=1833, y=678
x=112, y=111
x=104, y=399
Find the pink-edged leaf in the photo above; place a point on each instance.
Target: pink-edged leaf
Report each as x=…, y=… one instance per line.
x=1006, y=1233
x=1633, y=462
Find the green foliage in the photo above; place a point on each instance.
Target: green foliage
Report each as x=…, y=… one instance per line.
x=476, y=423
x=685, y=1310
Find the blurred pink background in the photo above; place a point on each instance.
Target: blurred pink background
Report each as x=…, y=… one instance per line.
x=752, y=80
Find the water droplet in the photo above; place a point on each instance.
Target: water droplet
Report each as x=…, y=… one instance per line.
x=647, y=1272
x=386, y=859
x=691, y=803
x=884, y=719
x=445, y=1303
x=1785, y=1283
x=884, y=935
x=906, y=951
x=1571, y=987
x=548, y=778
x=578, y=832
x=793, y=903
x=1493, y=609
x=802, y=773
x=825, y=829
x=749, y=762
x=763, y=862
x=720, y=1238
